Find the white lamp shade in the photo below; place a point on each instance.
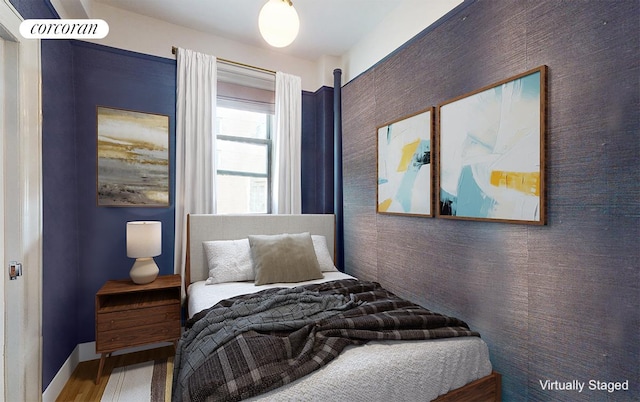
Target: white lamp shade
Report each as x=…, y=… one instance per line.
x=278, y=22
x=144, y=239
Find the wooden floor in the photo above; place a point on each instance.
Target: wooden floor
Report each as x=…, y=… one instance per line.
x=82, y=387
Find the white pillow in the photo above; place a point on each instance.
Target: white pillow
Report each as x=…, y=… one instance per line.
x=228, y=261
x=322, y=253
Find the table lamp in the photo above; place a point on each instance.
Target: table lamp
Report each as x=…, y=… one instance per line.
x=144, y=241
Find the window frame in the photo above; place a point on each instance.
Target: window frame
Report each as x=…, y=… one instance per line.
x=268, y=141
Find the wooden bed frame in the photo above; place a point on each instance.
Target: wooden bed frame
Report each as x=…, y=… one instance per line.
x=232, y=227
x=487, y=389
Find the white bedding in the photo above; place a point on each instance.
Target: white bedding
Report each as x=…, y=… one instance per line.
x=203, y=296
x=392, y=370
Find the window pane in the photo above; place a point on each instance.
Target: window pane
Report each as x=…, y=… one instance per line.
x=241, y=195
x=241, y=123
x=242, y=157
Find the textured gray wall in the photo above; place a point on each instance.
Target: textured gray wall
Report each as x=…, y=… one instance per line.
x=558, y=302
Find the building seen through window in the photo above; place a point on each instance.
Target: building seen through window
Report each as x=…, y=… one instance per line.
x=243, y=152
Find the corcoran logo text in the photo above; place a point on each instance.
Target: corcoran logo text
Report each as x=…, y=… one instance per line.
x=64, y=29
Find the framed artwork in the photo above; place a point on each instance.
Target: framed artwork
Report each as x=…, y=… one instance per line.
x=404, y=165
x=491, y=152
x=133, y=158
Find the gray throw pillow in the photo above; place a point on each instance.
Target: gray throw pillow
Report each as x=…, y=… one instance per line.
x=284, y=258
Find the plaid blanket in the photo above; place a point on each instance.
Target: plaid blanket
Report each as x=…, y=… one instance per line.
x=250, y=344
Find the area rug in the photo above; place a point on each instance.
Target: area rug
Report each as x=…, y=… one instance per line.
x=148, y=381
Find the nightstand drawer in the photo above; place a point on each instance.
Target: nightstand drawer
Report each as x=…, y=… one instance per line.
x=124, y=338
x=131, y=319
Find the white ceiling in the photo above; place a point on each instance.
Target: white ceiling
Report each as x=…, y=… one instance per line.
x=327, y=27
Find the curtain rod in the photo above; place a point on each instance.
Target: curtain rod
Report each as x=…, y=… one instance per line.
x=175, y=49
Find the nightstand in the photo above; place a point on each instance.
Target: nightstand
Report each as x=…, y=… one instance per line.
x=130, y=315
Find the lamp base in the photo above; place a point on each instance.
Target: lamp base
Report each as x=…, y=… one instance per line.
x=144, y=271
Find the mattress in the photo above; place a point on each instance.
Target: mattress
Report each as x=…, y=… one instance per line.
x=392, y=370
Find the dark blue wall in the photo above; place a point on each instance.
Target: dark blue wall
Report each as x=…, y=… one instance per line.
x=60, y=276
x=34, y=9
x=317, y=151
x=110, y=77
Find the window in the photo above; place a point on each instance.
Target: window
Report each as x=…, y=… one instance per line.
x=243, y=160
x=244, y=130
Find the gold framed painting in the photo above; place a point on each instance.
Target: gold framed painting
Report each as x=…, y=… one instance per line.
x=404, y=165
x=491, y=147
x=132, y=158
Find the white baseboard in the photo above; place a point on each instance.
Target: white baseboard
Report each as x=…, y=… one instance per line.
x=83, y=352
x=62, y=376
x=87, y=351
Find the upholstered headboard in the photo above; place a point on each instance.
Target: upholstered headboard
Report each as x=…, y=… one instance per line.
x=233, y=227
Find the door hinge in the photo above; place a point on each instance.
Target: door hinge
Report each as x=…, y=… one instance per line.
x=15, y=270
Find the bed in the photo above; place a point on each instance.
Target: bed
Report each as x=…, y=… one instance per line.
x=447, y=369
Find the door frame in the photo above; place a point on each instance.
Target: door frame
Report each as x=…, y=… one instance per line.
x=26, y=143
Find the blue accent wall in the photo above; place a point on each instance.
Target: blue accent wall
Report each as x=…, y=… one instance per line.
x=105, y=76
x=317, y=151
x=60, y=275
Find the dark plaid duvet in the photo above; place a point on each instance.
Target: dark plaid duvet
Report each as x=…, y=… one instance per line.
x=250, y=344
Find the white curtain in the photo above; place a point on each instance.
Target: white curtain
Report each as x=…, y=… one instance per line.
x=287, y=145
x=195, y=143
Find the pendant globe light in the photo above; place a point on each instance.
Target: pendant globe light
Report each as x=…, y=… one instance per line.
x=278, y=22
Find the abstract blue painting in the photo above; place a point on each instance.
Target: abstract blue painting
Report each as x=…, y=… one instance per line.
x=491, y=152
x=404, y=165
